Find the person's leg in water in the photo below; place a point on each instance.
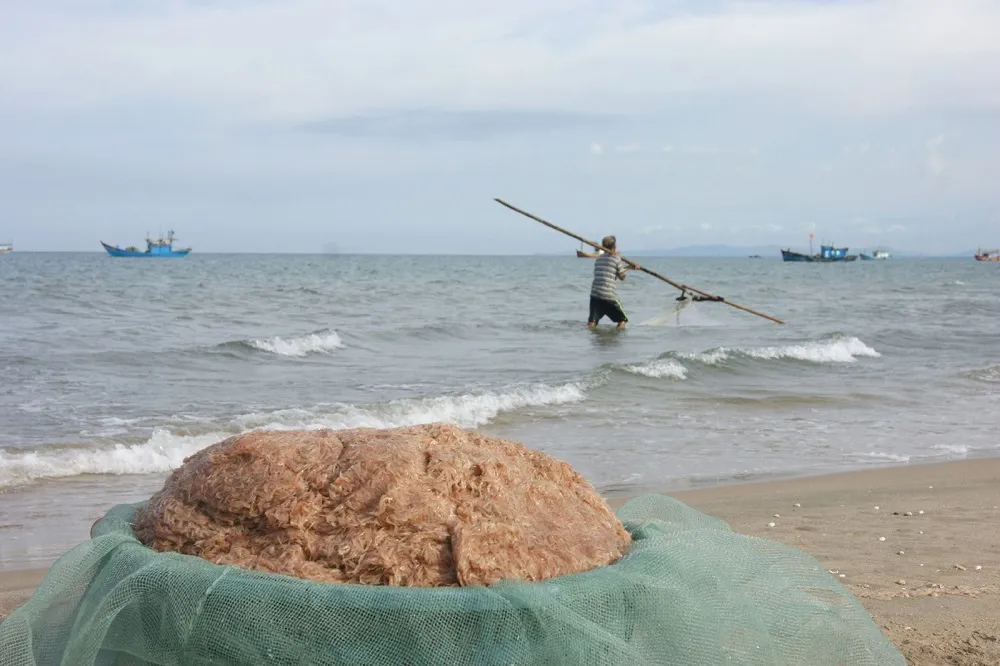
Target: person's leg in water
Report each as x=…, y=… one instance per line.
x=611, y=309
x=616, y=313
x=595, y=313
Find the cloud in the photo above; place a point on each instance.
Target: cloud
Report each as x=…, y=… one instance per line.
x=859, y=148
x=933, y=160
x=304, y=61
x=314, y=114
x=454, y=124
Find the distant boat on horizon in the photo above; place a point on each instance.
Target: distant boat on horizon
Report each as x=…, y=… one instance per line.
x=581, y=254
x=161, y=248
x=876, y=255
x=827, y=253
x=987, y=255
x=6, y=248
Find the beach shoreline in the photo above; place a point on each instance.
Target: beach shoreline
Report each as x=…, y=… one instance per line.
x=916, y=544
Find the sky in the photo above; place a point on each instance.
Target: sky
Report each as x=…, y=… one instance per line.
x=378, y=126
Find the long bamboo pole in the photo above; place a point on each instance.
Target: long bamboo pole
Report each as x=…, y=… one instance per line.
x=682, y=287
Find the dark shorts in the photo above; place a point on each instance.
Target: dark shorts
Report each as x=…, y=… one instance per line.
x=600, y=308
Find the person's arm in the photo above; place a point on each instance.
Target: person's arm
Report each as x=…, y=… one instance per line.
x=622, y=267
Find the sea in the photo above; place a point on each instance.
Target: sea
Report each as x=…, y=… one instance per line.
x=115, y=370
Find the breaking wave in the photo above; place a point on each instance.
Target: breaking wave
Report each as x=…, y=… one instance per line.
x=990, y=375
x=667, y=368
x=320, y=342
x=467, y=411
x=834, y=350
x=164, y=451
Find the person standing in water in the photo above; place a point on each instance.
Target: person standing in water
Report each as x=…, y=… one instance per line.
x=608, y=269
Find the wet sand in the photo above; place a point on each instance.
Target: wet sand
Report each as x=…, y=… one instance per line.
x=932, y=584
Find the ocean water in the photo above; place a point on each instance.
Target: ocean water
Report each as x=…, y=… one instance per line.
x=114, y=370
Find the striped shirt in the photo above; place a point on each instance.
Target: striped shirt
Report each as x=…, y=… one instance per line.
x=608, y=269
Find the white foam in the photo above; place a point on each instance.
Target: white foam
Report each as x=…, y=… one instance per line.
x=952, y=449
x=322, y=342
x=659, y=369
x=837, y=350
x=467, y=411
x=989, y=375
x=878, y=455
x=164, y=451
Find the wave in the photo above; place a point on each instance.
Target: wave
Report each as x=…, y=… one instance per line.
x=879, y=455
x=319, y=342
x=466, y=410
x=659, y=369
x=990, y=375
x=164, y=451
x=832, y=350
x=952, y=449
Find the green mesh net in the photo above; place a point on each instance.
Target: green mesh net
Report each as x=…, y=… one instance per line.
x=690, y=591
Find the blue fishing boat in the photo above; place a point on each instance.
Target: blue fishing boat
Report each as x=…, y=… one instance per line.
x=161, y=247
x=827, y=253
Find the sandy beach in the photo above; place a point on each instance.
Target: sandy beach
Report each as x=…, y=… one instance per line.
x=918, y=545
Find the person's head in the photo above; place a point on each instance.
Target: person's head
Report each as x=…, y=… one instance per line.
x=609, y=243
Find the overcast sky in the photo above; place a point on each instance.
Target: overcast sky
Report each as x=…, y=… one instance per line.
x=369, y=125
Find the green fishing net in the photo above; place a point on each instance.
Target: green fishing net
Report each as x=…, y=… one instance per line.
x=690, y=591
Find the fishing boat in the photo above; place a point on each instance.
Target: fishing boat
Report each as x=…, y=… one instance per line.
x=876, y=255
x=161, y=247
x=987, y=255
x=580, y=254
x=6, y=248
x=827, y=253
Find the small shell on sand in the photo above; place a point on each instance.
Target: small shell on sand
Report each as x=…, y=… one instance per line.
x=920, y=513
x=770, y=524
x=902, y=552
x=777, y=516
x=979, y=567
x=908, y=513
x=901, y=582
x=960, y=567
x=881, y=538
x=876, y=508
x=797, y=505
